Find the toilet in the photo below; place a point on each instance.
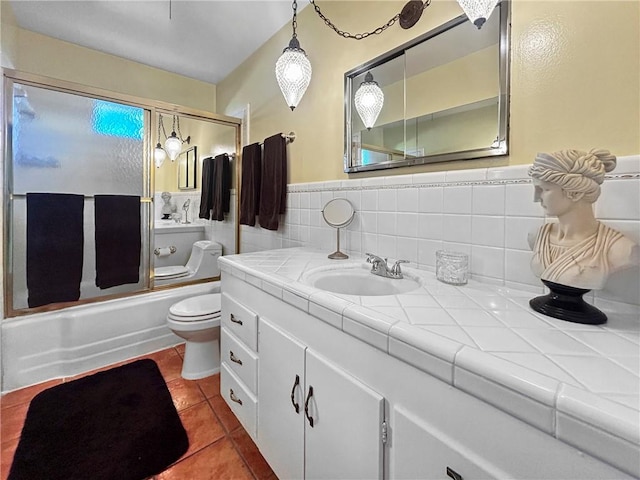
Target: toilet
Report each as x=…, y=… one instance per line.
x=197, y=321
x=202, y=263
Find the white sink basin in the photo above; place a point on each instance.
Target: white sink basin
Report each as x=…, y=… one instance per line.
x=357, y=280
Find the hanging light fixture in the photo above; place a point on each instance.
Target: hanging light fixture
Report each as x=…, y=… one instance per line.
x=159, y=155
x=369, y=100
x=478, y=11
x=173, y=144
x=293, y=69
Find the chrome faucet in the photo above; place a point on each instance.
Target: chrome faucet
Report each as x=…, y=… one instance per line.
x=380, y=267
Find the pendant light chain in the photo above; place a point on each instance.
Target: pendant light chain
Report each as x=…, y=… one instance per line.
x=359, y=36
x=294, y=20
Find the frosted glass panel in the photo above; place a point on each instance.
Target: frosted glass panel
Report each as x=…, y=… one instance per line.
x=74, y=144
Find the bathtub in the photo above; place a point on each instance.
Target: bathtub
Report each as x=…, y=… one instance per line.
x=40, y=347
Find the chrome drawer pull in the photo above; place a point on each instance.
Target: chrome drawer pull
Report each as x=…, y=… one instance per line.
x=296, y=406
x=306, y=406
x=233, y=358
x=233, y=396
x=234, y=319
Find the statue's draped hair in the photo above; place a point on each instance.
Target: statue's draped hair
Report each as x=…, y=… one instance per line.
x=574, y=170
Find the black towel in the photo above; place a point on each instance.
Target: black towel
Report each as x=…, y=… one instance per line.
x=221, y=199
x=55, y=247
x=273, y=184
x=250, y=191
x=118, y=240
x=206, y=187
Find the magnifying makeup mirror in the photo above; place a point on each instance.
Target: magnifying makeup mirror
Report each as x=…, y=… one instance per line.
x=339, y=214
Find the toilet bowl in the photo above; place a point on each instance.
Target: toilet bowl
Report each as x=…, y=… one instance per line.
x=197, y=321
x=202, y=263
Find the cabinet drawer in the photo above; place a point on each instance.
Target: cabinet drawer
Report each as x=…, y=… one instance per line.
x=241, y=321
x=242, y=402
x=238, y=358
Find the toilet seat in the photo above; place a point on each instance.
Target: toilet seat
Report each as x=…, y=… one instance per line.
x=201, y=307
x=172, y=271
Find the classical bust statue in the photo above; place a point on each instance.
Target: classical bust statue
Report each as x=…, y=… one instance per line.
x=577, y=251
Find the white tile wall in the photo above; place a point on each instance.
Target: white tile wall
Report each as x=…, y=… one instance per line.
x=486, y=213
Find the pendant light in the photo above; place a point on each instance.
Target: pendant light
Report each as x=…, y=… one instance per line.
x=173, y=143
x=159, y=155
x=478, y=11
x=293, y=69
x=369, y=100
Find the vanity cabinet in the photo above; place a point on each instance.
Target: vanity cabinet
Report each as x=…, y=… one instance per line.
x=314, y=419
x=360, y=395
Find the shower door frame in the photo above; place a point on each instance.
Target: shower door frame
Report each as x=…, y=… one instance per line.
x=152, y=108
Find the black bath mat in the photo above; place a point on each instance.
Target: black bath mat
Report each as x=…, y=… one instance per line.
x=119, y=424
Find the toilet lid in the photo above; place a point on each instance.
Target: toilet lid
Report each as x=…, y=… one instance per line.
x=171, y=271
x=197, y=306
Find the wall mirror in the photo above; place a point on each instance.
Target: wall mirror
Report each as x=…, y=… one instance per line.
x=445, y=98
x=188, y=169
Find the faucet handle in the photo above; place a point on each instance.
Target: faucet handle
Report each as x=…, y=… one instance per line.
x=396, y=267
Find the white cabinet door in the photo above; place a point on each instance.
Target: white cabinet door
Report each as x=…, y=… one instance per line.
x=419, y=451
x=345, y=440
x=280, y=424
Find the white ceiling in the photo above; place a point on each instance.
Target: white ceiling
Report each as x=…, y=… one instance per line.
x=203, y=39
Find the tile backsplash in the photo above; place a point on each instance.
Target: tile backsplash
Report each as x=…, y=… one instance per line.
x=486, y=213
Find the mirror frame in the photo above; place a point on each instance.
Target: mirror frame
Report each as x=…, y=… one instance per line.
x=189, y=157
x=499, y=149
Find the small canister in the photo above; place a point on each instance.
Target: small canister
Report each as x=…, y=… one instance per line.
x=452, y=267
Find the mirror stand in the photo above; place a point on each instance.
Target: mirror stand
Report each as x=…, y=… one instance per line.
x=338, y=255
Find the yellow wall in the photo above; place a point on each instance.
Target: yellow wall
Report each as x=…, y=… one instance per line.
x=575, y=80
x=42, y=55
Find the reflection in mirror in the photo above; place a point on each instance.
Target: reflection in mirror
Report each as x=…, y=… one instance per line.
x=338, y=213
x=445, y=98
x=184, y=243
x=188, y=169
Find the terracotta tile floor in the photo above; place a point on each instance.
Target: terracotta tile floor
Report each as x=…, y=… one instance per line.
x=219, y=448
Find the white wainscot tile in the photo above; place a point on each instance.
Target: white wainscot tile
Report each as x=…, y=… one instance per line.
x=387, y=223
x=325, y=196
x=488, y=200
x=407, y=249
x=427, y=252
x=429, y=177
x=629, y=228
x=517, y=268
x=354, y=241
x=398, y=180
x=407, y=224
x=408, y=200
x=517, y=230
x=387, y=246
x=305, y=217
x=467, y=175
x=315, y=200
x=619, y=199
x=315, y=218
x=387, y=200
x=295, y=200
x=370, y=200
x=355, y=197
x=519, y=201
x=457, y=200
x=430, y=199
x=513, y=172
x=369, y=222
x=628, y=164
x=430, y=226
x=487, y=261
x=305, y=200
x=622, y=287
x=488, y=231
x=369, y=242
x=456, y=228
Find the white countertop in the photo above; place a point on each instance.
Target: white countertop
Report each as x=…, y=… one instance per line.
x=579, y=383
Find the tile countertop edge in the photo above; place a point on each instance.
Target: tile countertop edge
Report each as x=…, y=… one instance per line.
x=602, y=415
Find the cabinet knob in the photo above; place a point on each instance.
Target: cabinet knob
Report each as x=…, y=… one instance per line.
x=234, y=319
x=296, y=406
x=233, y=358
x=453, y=474
x=233, y=397
x=306, y=406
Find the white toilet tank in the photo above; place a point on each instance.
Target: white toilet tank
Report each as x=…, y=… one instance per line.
x=203, y=261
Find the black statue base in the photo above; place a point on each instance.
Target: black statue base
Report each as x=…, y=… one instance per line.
x=166, y=216
x=566, y=303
